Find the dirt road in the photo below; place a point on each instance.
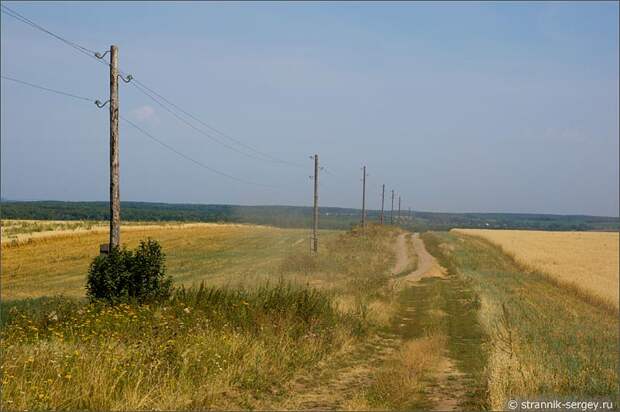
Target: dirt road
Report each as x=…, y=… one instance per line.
x=427, y=264
x=336, y=386
x=402, y=254
x=448, y=387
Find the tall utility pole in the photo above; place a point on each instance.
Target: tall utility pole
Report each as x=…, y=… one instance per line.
x=115, y=196
x=315, y=222
x=409, y=214
x=392, y=211
x=364, y=198
x=382, y=201
x=398, y=208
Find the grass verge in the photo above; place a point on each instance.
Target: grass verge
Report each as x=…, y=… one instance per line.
x=204, y=348
x=543, y=339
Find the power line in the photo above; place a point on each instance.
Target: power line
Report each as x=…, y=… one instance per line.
x=144, y=89
x=167, y=146
x=84, y=50
x=36, y=86
x=215, y=130
x=181, y=119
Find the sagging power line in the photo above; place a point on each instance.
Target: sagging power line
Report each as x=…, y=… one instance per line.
x=12, y=13
x=167, y=146
x=164, y=102
x=161, y=100
x=184, y=121
x=134, y=125
x=88, y=99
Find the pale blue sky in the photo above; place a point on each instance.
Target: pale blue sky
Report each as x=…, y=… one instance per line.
x=486, y=107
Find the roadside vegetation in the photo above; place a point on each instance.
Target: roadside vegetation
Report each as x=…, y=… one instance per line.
x=203, y=348
x=353, y=266
x=544, y=339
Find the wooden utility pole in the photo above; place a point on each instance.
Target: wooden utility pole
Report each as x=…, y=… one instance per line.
x=382, y=201
x=398, y=208
x=115, y=196
x=315, y=221
x=364, y=198
x=392, y=210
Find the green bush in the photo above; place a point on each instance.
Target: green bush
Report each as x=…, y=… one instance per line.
x=126, y=275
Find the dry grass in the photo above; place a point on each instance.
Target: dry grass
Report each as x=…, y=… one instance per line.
x=235, y=347
x=542, y=341
x=401, y=382
x=203, y=349
x=586, y=260
x=217, y=254
x=356, y=268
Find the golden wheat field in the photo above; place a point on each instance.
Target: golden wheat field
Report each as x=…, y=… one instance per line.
x=588, y=260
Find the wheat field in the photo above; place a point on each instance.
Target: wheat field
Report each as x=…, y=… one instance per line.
x=587, y=260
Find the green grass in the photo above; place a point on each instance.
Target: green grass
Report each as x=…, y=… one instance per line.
x=544, y=340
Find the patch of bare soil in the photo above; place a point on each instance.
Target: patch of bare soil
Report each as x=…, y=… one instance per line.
x=448, y=389
x=402, y=255
x=427, y=264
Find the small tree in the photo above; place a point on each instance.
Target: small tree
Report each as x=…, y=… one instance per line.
x=123, y=274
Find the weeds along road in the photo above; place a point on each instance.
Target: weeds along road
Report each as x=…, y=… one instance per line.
x=428, y=315
x=409, y=364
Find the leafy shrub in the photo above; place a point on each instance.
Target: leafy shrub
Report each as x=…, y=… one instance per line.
x=149, y=271
x=126, y=275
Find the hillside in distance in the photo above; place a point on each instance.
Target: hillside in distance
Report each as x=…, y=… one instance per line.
x=298, y=216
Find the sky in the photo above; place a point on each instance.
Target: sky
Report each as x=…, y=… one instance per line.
x=458, y=107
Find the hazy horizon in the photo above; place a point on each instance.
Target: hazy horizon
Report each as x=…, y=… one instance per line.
x=306, y=206
x=472, y=108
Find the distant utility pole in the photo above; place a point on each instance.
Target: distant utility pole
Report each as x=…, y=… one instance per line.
x=315, y=222
x=364, y=198
x=382, y=201
x=409, y=214
x=115, y=195
x=398, y=208
x=392, y=211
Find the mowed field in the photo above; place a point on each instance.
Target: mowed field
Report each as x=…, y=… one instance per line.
x=587, y=260
x=56, y=262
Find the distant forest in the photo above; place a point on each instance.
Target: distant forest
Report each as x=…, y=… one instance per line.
x=298, y=216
